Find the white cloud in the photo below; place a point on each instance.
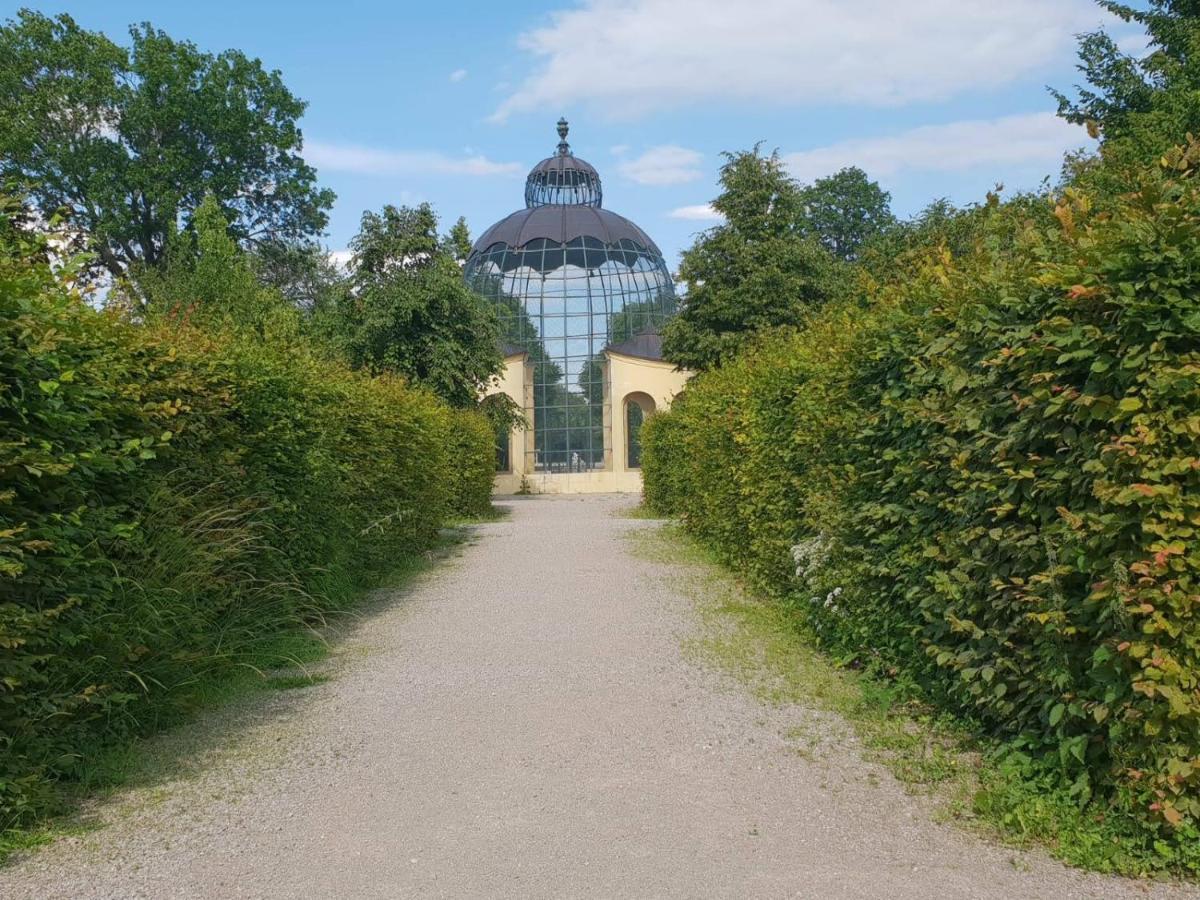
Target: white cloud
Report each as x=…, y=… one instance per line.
x=341, y=258
x=630, y=57
x=1034, y=139
x=667, y=164
x=702, y=212
x=373, y=161
x=458, y=74
x=619, y=150
x=1135, y=43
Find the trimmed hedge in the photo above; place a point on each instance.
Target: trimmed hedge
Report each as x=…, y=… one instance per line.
x=473, y=448
x=985, y=477
x=173, y=500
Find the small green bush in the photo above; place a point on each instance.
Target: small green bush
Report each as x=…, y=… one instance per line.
x=984, y=475
x=172, y=499
x=473, y=451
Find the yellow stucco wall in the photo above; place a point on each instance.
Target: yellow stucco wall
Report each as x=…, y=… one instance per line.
x=625, y=375
x=517, y=382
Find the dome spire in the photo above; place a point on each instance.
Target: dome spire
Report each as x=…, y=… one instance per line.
x=563, y=179
x=564, y=149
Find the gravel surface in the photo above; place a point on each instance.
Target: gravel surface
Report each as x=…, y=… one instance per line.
x=523, y=723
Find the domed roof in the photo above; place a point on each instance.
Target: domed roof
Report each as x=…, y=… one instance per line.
x=562, y=164
x=562, y=224
x=563, y=179
x=570, y=281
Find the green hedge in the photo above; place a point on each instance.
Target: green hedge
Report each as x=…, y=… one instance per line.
x=985, y=476
x=473, y=447
x=172, y=501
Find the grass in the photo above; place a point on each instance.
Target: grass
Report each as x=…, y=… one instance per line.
x=973, y=782
x=493, y=513
x=181, y=739
x=641, y=511
x=759, y=644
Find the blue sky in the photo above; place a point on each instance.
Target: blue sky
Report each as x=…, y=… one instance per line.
x=453, y=102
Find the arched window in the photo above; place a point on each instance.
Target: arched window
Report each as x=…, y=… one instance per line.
x=633, y=427
x=638, y=408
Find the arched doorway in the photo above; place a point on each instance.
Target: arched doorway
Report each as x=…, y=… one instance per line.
x=639, y=406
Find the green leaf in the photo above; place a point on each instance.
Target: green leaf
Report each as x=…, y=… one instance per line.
x=1056, y=714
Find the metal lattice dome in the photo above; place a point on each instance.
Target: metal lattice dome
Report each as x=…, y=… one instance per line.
x=570, y=280
x=563, y=179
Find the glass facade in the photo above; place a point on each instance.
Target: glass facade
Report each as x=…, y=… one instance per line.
x=564, y=297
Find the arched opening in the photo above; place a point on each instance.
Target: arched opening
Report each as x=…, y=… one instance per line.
x=638, y=408
x=503, y=457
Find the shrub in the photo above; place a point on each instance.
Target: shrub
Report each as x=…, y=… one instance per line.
x=173, y=499
x=473, y=455
x=986, y=474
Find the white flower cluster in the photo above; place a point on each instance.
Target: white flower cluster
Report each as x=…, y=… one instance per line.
x=830, y=598
x=809, y=555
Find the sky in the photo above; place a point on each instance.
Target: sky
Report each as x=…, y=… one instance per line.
x=453, y=103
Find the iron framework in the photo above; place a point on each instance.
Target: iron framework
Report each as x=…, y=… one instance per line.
x=566, y=288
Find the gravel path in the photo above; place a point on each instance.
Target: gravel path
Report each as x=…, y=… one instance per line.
x=523, y=723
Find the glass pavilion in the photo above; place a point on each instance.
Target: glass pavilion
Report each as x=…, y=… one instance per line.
x=573, y=283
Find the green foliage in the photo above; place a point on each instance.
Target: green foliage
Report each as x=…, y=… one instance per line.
x=982, y=476
x=458, y=241
x=503, y=413
x=758, y=270
x=132, y=140
x=303, y=273
x=406, y=309
x=1140, y=106
x=845, y=211
x=177, y=491
x=206, y=280
x=472, y=451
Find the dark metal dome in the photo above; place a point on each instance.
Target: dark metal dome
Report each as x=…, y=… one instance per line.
x=563, y=224
x=563, y=179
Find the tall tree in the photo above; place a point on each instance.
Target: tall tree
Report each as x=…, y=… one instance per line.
x=205, y=277
x=407, y=309
x=131, y=140
x=845, y=210
x=1140, y=105
x=303, y=273
x=458, y=241
x=759, y=269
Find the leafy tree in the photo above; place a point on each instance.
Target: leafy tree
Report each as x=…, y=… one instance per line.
x=940, y=225
x=1141, y=106
x=943, y=230
x=205, y=277
x=846, y=210
x=759, y=269
x=458, y=241
x=407, y=310
x=131, y=140
x=302, y=272
x=394, y=240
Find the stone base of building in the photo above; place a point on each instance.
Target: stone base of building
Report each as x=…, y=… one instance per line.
x=628, y=482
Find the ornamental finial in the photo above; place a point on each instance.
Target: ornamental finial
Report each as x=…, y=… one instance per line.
x=563, y=147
